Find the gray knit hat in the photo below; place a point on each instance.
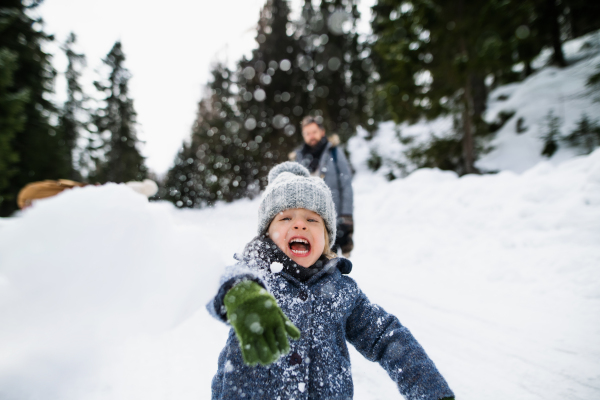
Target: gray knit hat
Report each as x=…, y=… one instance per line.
x=291, y=186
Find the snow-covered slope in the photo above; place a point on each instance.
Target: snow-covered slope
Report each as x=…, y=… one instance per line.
x=497, y=276
x=562, y=91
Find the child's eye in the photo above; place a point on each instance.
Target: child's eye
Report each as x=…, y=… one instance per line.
x=285, y=219
x=312, y=220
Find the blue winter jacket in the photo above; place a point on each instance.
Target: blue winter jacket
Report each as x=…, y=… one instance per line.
x=330, y=310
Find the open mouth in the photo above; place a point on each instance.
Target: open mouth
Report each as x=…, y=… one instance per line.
x=299, y=246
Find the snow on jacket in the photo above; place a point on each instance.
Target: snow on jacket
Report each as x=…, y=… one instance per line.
x=329, y=309
x=337, y=175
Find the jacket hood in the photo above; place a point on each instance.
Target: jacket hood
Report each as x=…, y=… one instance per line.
x=334, y=140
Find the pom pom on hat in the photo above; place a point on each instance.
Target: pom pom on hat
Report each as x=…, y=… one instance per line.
x=288, y=166
x=291, y=186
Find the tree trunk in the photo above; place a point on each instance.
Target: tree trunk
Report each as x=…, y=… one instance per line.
x=467, y=115
x=528, y=69
x=479, y=93
x=467, y=139
x=558, y=57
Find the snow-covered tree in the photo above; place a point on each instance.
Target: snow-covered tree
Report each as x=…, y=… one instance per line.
x=115, y=123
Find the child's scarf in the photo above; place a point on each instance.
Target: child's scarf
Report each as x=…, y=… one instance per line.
x=263, y=248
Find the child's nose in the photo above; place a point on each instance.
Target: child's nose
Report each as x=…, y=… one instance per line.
x=299, y=225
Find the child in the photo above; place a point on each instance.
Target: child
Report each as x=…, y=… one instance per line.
x=287, y=282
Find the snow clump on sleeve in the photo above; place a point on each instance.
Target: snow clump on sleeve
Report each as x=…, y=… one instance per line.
x=276, y=267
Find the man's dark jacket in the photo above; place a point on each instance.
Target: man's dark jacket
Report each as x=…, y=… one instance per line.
x=335, y=171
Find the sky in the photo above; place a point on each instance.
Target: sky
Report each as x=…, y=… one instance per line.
x=169, y=52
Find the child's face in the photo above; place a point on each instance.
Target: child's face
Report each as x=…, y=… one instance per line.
x=300, y=234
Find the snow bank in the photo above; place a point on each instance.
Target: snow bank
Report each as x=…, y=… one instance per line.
x=574, y=50
x=387, y=143
x=554, y=209
x=562, y=91
x=496, y=275
x=85, y=272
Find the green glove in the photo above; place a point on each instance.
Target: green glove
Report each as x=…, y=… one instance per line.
x=259, y=323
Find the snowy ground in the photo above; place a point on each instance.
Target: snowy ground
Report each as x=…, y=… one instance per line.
x=560, y=91
x=102, y=293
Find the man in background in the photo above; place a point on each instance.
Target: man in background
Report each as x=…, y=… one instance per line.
x=322, y=157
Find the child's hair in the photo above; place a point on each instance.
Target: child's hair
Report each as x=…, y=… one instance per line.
x=327, y=250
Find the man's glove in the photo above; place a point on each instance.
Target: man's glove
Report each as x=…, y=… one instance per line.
x=346, y=220
x=345, y=231
x=259, y=323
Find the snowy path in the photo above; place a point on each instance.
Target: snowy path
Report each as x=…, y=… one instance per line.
x=495, y=326
x=473, y=289
x=496, y=276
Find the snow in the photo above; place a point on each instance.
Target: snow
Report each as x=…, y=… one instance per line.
x=301, y=387
x=83, y=274
x=276, y=267
x=562, y=91
x=102, y=293
x=551, y=89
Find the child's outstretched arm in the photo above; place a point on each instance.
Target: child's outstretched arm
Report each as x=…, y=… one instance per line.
x=260, y=325
x=380, y=337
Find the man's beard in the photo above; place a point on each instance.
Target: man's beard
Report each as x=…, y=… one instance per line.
x=314, y=142
x=313, y=153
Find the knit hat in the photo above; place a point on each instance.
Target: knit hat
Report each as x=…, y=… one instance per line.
x=291, y=186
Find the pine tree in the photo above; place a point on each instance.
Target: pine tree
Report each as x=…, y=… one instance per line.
x=218, y=163
x=433, y=57
x=550, y=13
x=122, y=160
x=336, y=66
x=177, y=187
x=582, y=16
x=527, y=40
x=31, y=143
x=271, y=97
x=12, y=117
x=70, y=124
x=226, y=148
x=552, y=134
x=220, y=145
x=585, y=136
x=550, y=22
x=250, y=118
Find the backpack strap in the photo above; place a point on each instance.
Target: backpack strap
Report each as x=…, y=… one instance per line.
x=337, y=170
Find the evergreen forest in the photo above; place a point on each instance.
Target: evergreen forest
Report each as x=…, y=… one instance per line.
x=420, y=60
